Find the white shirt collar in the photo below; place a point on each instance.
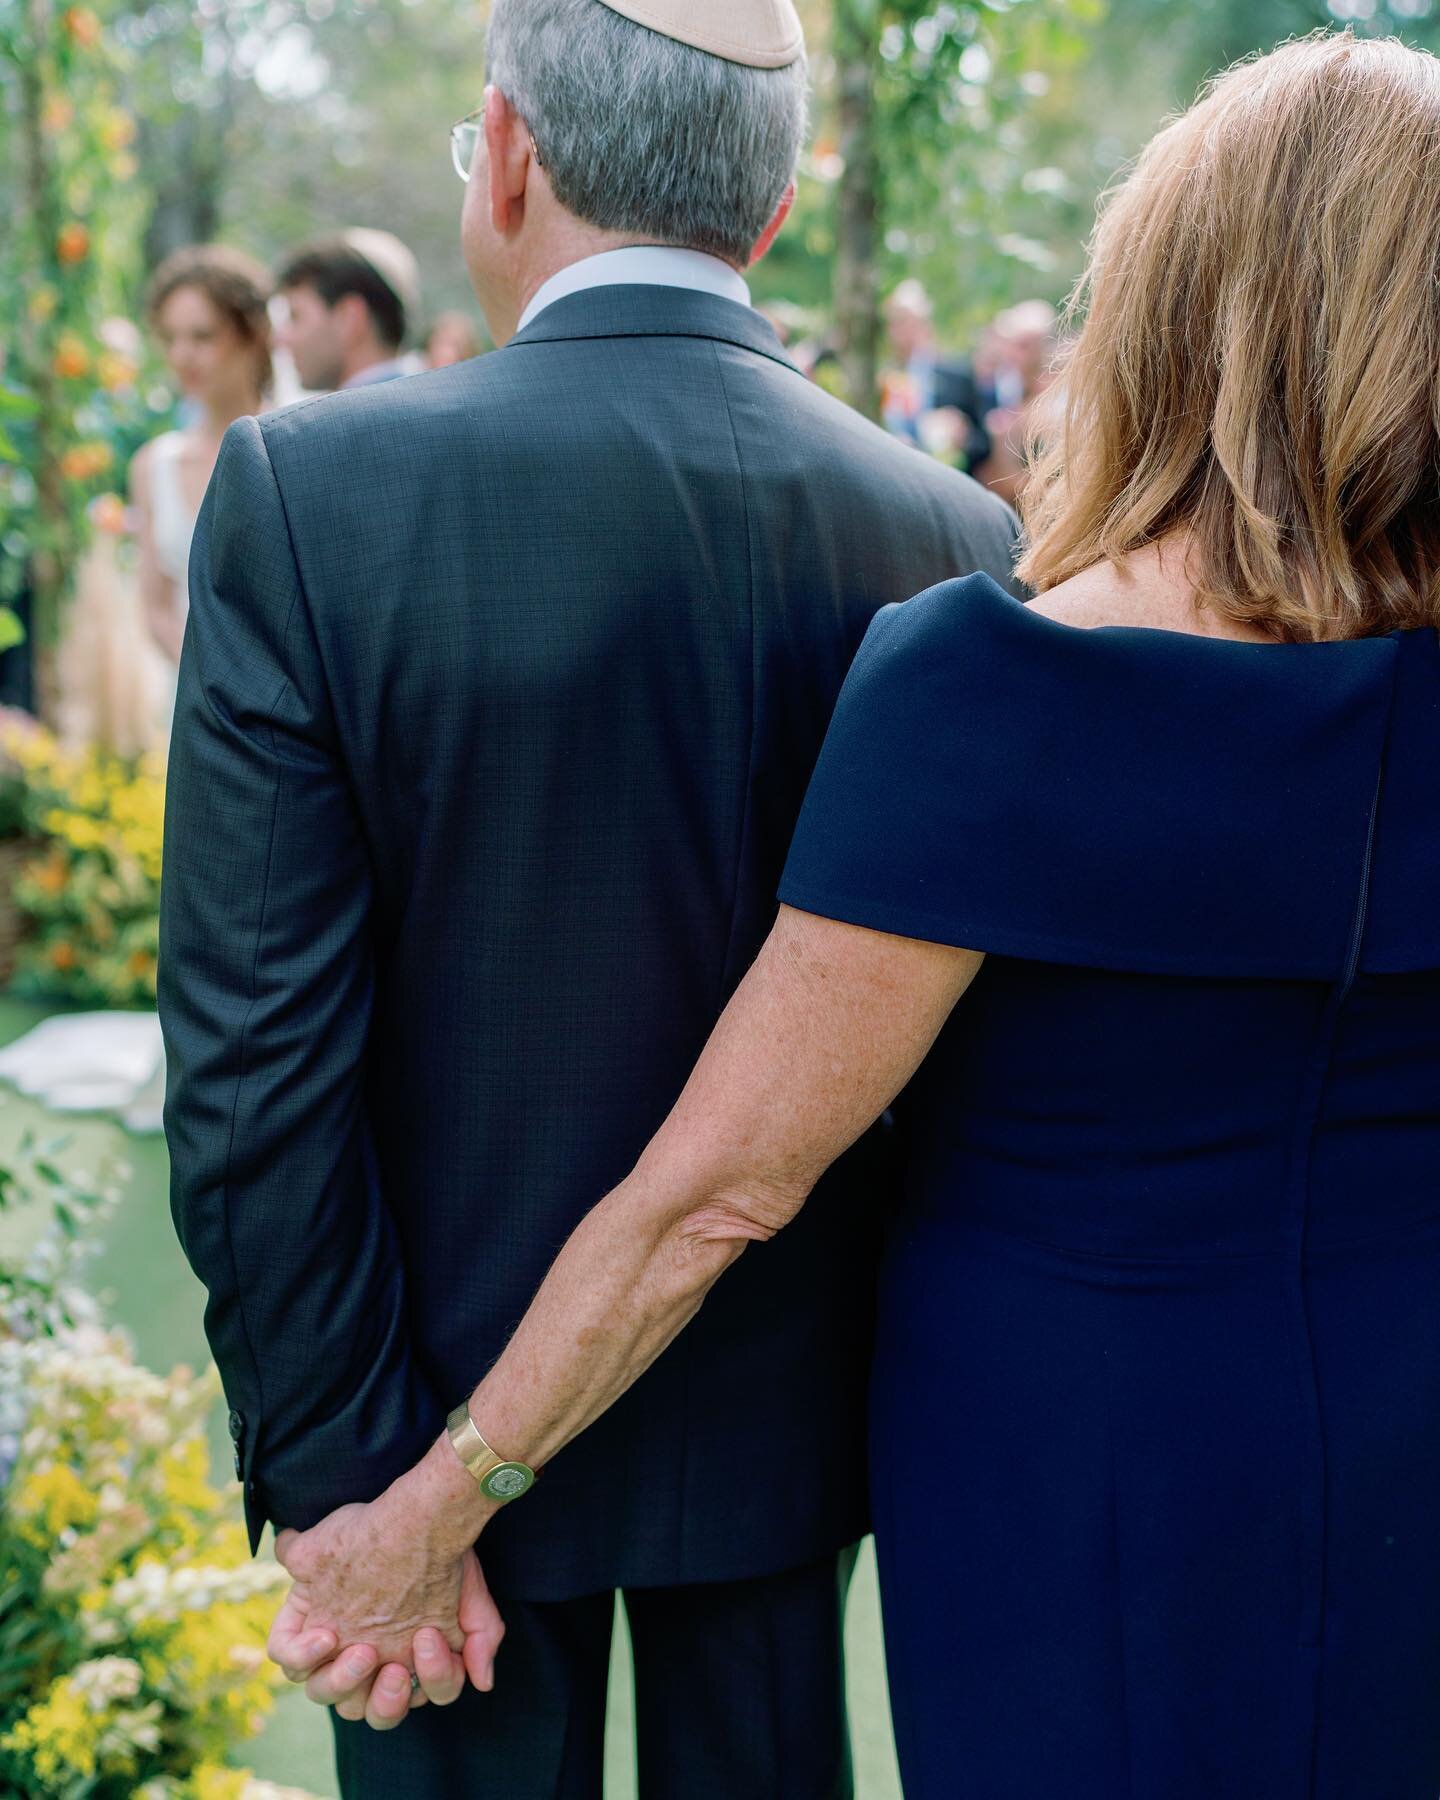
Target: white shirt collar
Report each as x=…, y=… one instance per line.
x=649, y=265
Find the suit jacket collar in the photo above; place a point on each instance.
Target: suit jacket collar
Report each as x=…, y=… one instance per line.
x=646, y=311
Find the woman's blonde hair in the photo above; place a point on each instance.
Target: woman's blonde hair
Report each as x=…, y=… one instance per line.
x=1259, y=367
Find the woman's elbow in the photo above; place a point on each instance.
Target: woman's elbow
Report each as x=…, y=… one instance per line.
x=752, y=1214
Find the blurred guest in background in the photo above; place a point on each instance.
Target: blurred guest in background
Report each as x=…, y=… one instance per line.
x=826, y=368
x=1013, y=368
x=208, y=306
x=930, y=401
x=350, y=300
x=790, y=323
x=452, y=339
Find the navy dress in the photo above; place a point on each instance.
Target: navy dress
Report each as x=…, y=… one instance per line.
x=1156, y=1408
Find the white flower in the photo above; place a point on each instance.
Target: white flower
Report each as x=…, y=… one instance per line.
x=105, y=1679
x=155, y=1592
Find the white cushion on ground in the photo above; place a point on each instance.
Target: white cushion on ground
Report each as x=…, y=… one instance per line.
x=92, y=1062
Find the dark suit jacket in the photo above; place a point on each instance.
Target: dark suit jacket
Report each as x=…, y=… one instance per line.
x=500, y=693
x=955, y=385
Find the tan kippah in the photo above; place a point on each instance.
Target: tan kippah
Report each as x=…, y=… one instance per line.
x=762, y=34
x=392, y=262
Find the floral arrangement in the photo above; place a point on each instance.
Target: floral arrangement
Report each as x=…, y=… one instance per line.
x=135, y=1657
x=76, y=397
x=132, y=1620
x=92, y=890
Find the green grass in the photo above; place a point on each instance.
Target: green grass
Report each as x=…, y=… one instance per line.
x=150, y=1289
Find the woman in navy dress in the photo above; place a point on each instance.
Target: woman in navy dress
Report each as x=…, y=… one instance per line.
x=1156, y=1410
x=1155, y=1432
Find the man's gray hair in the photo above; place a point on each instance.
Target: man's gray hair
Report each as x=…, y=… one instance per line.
x=643, y=135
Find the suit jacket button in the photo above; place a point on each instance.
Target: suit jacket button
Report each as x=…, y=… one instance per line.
x=237, y=1425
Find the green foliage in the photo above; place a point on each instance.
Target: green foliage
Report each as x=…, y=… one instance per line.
x=38, y=1297
x=267, y=122
x=91, y=892
x=997, y=124
x=68, y=262
x=974, y=117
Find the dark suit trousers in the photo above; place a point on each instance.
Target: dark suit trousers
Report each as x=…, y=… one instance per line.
x=739, y=1689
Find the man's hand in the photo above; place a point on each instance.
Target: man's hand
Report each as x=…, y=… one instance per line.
x=376, y=1594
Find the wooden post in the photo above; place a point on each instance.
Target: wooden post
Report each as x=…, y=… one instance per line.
x=857, y=274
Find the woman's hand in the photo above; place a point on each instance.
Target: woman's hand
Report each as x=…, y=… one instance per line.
x=380, y=1591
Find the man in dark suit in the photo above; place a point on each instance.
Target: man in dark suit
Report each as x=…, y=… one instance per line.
x=501, y=690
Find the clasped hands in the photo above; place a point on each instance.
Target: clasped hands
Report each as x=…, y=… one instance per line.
x=386, y=1588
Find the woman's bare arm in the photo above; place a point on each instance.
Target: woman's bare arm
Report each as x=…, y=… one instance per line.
x=825, y=1030
x=157, y=591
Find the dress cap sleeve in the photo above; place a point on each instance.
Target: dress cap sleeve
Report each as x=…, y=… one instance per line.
x=1116, y=797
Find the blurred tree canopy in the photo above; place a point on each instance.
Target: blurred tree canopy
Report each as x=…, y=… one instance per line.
x=963, y=141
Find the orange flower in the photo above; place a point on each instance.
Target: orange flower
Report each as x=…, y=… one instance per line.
x=141, y=965
x=72, y=359
x=63, y=956
x=84, y=461
x=51, y=877
x=108, y=514
x=82, y=27
x=73, y=243
x=57, y=113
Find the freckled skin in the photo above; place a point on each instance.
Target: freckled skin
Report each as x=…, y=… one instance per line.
x=824, y=1031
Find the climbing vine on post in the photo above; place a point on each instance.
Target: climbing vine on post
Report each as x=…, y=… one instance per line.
x=67, y=266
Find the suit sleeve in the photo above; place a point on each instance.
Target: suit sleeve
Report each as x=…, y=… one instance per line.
x=266, y=984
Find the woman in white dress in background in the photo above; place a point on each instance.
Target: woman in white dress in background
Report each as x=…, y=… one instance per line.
x=209, y=307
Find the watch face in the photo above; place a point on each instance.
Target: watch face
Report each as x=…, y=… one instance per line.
x=507, y=1482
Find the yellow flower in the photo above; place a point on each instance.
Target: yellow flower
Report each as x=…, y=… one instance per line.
x=211, y=1782
x=57, y=113
x=116, y=371
x=50, y=1500
x=117, y=129
x=42, y=303
x=185, y=1469
x=61, y=1736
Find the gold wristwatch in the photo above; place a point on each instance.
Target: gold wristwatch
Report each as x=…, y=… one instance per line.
x=499, y=1480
